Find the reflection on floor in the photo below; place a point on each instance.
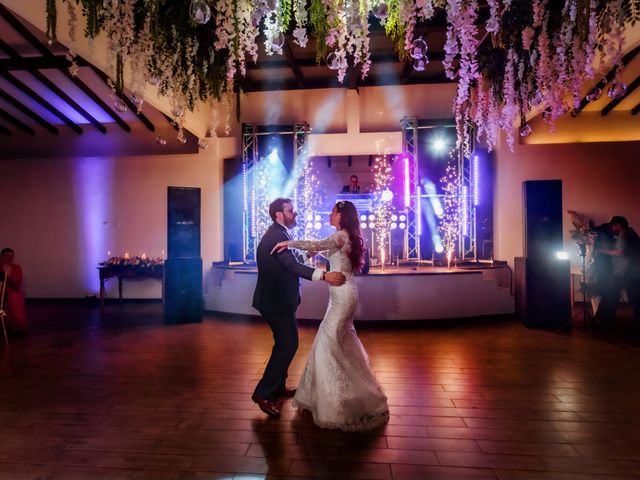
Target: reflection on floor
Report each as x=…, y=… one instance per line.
x=120, y=395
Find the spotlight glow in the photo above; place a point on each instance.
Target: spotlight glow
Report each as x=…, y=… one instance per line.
x=439, y=145
x=562, y=255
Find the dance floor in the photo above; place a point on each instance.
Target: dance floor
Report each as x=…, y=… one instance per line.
x=120, y=395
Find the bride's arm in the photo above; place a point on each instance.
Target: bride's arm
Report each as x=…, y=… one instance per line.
x=336, y=240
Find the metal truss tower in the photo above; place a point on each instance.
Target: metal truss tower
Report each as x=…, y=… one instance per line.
x=249, y=161
x=410, y=152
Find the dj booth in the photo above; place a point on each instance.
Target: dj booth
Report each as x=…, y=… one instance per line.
x=365, y=206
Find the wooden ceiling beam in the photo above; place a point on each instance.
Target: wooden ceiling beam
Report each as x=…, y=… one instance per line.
x=38, y=45
x=18, y=123
x=17, y=25
x=98, y=101
x=28, y=112
x=291, y=60
x=125, y=98
x=38, y=63
x=37, y=98
x=55, y=89
x=605, y=80
x=616, y=101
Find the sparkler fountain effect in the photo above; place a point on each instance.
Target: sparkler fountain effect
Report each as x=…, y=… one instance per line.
x=307, y=196
x=382, y=206
x=449, y=224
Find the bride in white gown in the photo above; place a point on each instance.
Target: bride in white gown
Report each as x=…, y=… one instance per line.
x=338, y=385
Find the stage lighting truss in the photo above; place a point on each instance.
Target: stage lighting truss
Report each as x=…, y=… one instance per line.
x=249, y=160
x=255, y=214
x=409, y=148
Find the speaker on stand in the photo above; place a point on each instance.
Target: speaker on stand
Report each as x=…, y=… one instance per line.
x=542, y=280
x=183, y=267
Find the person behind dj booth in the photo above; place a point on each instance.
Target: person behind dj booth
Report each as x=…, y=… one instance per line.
x=353, y=186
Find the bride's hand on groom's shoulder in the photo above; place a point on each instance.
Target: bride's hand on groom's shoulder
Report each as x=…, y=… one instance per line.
x=280, y=246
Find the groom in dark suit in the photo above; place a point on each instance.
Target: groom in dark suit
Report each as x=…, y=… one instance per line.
x=276, y=297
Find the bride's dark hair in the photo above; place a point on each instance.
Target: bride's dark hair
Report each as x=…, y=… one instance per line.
x=350, y=222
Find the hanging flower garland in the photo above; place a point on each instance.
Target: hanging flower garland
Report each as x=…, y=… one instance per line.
x=528, y=56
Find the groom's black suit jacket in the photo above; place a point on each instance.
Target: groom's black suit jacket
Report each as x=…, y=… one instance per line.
x=278, y=286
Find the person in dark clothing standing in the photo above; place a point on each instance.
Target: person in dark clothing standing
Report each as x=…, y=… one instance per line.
x=625, y=264
x=276, y=297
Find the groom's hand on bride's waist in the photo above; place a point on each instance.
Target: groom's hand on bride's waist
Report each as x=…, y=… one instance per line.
x=334, y=278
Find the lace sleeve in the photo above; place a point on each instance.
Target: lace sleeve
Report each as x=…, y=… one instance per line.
x=337, y=240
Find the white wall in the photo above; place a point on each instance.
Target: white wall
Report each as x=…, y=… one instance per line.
x=598, y=179
x=61, y=216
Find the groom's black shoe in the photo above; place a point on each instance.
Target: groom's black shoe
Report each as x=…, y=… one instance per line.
x=287, y=392
x=267, y=406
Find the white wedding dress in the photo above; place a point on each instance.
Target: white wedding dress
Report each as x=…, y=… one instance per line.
x=338, y=385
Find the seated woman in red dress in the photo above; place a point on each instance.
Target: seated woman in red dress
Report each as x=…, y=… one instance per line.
x=16, y=319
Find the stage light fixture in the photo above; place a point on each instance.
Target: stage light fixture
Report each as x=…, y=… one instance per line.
x=318, y=218
x=372, y=217
x=318, y=225
x=403, y=218
x=308, y=217
x=402, y=226
x=394, y=218
x=309, y=225
x=387, y=196
x=439, y=145
x=562, y=255
x=439, y=248
x=394, y=225
x=372, y=224
x=363, y=226
x=363, y=218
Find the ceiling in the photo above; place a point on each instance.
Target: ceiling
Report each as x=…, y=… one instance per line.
x=40, y=100
x=44, y=110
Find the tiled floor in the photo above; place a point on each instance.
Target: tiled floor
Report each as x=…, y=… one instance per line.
x=120, y=395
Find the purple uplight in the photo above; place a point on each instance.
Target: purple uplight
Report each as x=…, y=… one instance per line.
x=407, y=189
x=93, y=178
x=464, y=206
x=475, y=186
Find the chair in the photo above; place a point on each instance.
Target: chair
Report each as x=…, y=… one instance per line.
x=3, y=285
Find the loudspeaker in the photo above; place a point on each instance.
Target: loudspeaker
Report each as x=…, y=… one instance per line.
x=233, y=195
x=543, y=293
x=183, y=290
x=183, y=222
x=542, y=203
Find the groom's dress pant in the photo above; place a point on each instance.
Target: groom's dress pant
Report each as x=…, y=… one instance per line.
x=285, y=335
